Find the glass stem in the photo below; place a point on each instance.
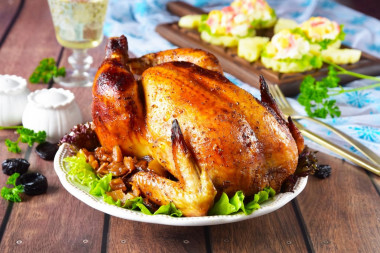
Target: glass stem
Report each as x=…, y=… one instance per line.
x=80, y=61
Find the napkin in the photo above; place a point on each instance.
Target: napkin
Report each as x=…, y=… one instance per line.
x=360, y=110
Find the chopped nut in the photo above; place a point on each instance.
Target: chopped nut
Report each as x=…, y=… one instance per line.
x=143, y=165
x=117, y=169
x=103, y=170
x=91, y=158
x=94, y=164
x=117, y=184
x=116, y=154
x=85, y=152
x=116, y=195
x=129, y=163
x=103, y=155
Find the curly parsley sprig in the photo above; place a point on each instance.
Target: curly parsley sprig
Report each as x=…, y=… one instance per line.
x=13, y=193
x=46, y=70
x=315, y=96
x=25, y=136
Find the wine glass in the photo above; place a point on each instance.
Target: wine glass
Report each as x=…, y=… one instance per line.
x=78, y=25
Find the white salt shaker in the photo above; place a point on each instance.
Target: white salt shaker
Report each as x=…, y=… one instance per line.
x=52, y=110
x=13, y=99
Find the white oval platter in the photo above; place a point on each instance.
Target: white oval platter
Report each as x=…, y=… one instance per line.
x=81, y=192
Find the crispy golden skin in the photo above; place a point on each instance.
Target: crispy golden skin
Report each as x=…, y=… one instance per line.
x=231, y=141
x=196, y=56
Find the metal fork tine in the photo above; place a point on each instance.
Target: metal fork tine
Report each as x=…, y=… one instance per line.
x=270, y=89
x=273, y=91
x=281, y=95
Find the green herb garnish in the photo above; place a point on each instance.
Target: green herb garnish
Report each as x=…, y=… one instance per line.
x=315, y=96
x=26, y=136
x=12, y=194
x=46, y=70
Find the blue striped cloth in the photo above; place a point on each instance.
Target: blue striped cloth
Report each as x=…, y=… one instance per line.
x=360, y=110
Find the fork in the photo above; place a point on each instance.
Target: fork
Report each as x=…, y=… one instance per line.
x=289, y=111
x=339, y=150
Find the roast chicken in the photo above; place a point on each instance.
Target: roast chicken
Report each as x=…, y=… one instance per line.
x=208, y=135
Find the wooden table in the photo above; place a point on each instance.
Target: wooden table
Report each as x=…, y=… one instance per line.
x=338, y=214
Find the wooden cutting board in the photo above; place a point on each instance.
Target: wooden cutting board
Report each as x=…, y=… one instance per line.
x=244, y=70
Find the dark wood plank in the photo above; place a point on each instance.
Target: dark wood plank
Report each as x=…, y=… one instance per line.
x=4, y=154
x=8, y=10
x=129, y=236
x=276, y=232
x=55, y=221
x=342, y=212
x=376, y=181
x=244, y=70
x=52, y=221
x=180, y=8
x=32, y=38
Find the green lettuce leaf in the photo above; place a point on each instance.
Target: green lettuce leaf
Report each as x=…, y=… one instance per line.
x=226, y=206
x=169, y=209
x=223, y=206
x=101, y=186
x=80, y=170
x=109, y=200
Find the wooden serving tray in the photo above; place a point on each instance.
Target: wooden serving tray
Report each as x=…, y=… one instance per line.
x=244, y=70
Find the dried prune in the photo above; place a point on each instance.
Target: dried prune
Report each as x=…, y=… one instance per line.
x=322, y=171
x=13, y=165
x=34, y=183
x=47, y=150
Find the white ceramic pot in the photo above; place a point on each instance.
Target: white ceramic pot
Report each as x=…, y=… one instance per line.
x=13, y=99
x=52, y=110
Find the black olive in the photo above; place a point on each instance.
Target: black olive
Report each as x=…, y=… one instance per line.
x=34, y=183
x=13, y=165
x=47, y=150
